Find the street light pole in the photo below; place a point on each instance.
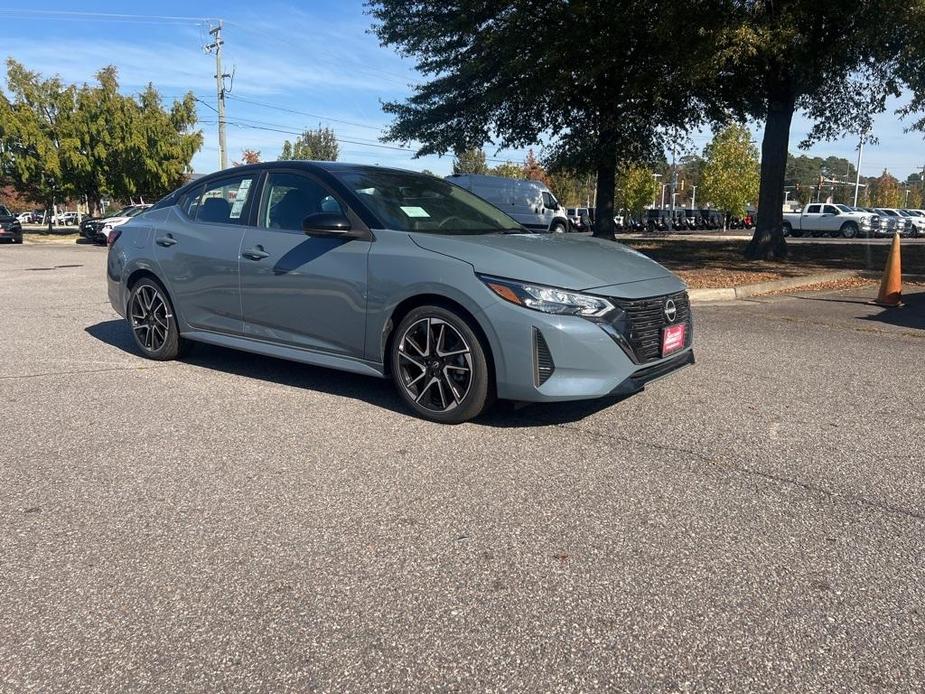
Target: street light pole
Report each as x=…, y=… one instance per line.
x=694, y=197
x=857, y=178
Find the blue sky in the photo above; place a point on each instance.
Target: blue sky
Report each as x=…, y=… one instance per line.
x=296, y=65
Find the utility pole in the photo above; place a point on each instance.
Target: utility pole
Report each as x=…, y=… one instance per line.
x=216, y=47
x=857, y=176
x=694, y=196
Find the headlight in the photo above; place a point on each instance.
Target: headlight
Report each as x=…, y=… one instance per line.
x=548, y=299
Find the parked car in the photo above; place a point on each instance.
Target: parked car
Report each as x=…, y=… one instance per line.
x=98, y=230
x=66, y=218
x=817, y=219
x=895, y=222
x=531, y=203
x=10, y=226
x=395, y=274
x=24, y=218
x=915, y=221
x=579, y=218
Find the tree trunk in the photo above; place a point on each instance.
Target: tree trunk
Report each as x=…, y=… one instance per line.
x=604, y=226
x=768, y=240
x=50, y=215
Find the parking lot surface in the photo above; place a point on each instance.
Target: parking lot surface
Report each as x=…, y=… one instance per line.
x=237, y=523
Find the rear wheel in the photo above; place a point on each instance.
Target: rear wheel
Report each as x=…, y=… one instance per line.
x=152, y=321
x=788, y=230
x=439, y=366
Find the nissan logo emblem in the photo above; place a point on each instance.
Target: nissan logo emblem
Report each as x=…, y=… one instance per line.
x=671, y=311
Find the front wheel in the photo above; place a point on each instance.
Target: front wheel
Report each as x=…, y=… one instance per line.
x=849, y=231
x=152, y=321
x=559, y=228
x=439, y=366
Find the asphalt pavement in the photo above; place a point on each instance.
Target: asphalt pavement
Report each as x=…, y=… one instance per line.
x=238, y=523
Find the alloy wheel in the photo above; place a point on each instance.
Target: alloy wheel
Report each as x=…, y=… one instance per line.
x=435, y=364
x=150, y=317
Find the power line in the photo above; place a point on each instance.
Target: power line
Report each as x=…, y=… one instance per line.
x=305, y=113
x=100, y=16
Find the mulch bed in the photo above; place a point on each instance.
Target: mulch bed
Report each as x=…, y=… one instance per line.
x=707, y=264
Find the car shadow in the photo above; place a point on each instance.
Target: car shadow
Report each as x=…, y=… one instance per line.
x=374, y=391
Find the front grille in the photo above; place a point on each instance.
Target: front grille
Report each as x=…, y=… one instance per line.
x=543, y=365
x=645, y=320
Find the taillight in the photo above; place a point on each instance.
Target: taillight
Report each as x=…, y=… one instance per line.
x=114, y=234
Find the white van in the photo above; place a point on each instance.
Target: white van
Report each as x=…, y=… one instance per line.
x=529, y=202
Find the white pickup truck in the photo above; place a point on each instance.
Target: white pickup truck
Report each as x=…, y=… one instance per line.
x=820, y=218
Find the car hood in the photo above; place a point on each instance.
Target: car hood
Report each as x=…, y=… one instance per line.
x=559, y=260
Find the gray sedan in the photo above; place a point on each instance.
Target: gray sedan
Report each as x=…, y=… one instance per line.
x=395, y=274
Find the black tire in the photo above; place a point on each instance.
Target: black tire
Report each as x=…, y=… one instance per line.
x=412, y=365
x=558, y=228
x=157, y=337
x=788, y=230
x=849, y=230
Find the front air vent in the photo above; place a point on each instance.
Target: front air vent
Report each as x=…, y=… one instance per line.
x=543, y=366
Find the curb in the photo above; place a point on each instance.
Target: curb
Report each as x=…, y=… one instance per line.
x=747, y=290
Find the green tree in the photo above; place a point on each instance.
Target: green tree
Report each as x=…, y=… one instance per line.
x=730, y=175
x=638, y=188
x=35, y=135
x=497, y=72
x=59, y=141
x=836, y=61
x=508, y=169
x=470, y=161
x=316, y=145
x=884, y=191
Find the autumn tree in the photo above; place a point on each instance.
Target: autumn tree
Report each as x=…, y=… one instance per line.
x=730, y=174
x=497, y=72
x=249, y=156
x=470, y=160
x=884, y=191
x=319, y=144
x=533, y=170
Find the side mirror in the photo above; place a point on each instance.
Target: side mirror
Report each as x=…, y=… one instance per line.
x=332, y=224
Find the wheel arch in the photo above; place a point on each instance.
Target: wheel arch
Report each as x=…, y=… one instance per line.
x=410, y=303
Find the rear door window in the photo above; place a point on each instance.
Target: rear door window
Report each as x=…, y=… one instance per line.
x=222, y=202
x=813, y=209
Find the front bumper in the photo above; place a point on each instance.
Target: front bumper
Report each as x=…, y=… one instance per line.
x=587, y=361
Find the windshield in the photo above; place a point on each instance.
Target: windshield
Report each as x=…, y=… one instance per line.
x=119, y=213
x=844, y=208
x=135, y=211
x=5, y=212
x=415, y=202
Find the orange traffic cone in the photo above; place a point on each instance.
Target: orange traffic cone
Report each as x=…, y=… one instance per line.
x=891, y=286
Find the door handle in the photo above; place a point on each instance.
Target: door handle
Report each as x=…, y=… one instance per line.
x=165, y=241
x=256, y=253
